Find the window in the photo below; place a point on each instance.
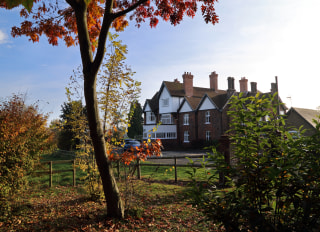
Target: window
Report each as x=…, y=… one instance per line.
x=207, y=119
x=161, y=135
x=186, y=136
x=151, y=117
x=186, y=119
x=171, y=135
x=165, y=102
x=208, y=135
x=166, y=119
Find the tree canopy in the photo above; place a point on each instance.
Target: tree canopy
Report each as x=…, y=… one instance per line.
x=56, y=19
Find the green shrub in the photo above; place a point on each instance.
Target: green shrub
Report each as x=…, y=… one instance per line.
x=274, y=181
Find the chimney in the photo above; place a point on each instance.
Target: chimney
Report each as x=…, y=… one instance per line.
x=254, y=87
x=231, y=84
x=213, y=81
x=188, y=84
x=243, y=84
x=176, y=80
x=273, y=87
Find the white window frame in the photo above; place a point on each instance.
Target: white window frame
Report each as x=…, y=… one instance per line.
x=208, y=135
x=171, y=135
x=186, y=137
x=151, y=117
x=207, y=117
x=166, y=118
x=165, y=102
x=186, y=119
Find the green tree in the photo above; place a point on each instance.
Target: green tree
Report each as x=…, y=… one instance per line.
x=24, y=137
x=135, y=128
x=87, y=23
x=274, y=179
x=117, y=86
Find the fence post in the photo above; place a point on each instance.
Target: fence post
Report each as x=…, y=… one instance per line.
x=175, y=170
x=138, y=169
x=50, y=170
x=74, y=173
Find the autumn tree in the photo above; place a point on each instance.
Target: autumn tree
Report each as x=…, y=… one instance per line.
x=135, y=128
x=24, y=137
x=87, y=23
x=117, y=86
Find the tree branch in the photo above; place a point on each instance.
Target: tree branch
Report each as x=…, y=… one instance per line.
x=106, y=23
x=80, y=9
x=131, y=8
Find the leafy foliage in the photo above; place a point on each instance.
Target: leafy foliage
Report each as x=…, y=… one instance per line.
x=273, y=180
x=57, y=20
x=135, y=128
x=118, y=89
x=24, y=137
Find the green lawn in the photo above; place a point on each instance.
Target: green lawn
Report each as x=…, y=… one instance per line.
x=158, y=173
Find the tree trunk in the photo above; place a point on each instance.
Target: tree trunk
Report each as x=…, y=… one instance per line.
x=90, y=70
x=110, y=188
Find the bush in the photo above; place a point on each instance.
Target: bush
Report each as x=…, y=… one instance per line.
x=274, y=184
x=24, y=137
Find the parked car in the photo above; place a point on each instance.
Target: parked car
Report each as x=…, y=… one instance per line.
x=130, y=144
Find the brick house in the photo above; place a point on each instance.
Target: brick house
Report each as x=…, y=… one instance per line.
x=297, y=117
x=191, y=116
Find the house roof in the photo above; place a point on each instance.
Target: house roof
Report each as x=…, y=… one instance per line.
x=193, y=102
x=153, y=103
x=176, y=89
x=307, y=114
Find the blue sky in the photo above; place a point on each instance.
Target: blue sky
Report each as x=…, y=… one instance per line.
x=256, y=39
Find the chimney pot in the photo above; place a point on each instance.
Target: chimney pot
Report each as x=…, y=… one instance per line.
x=213, y=81
x=231, y=84
x=254, y=87
x=273, y=87
x=243, y=84
x=188, y=84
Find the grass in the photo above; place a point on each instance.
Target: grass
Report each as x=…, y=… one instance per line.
x=152, y=206
x=166, y=173
x=158, y=173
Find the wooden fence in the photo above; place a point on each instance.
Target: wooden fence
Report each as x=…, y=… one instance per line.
x=173, y=164
x=138, y=164
x=51, y=171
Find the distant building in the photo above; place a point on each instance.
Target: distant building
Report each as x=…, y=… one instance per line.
x=297, y=117
x=192, y=116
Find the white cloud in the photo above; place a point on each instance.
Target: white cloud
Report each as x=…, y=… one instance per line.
x=3, y=37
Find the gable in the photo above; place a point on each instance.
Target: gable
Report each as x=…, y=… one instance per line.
x=147, y=107
x=185, y=107
x=207, y=104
